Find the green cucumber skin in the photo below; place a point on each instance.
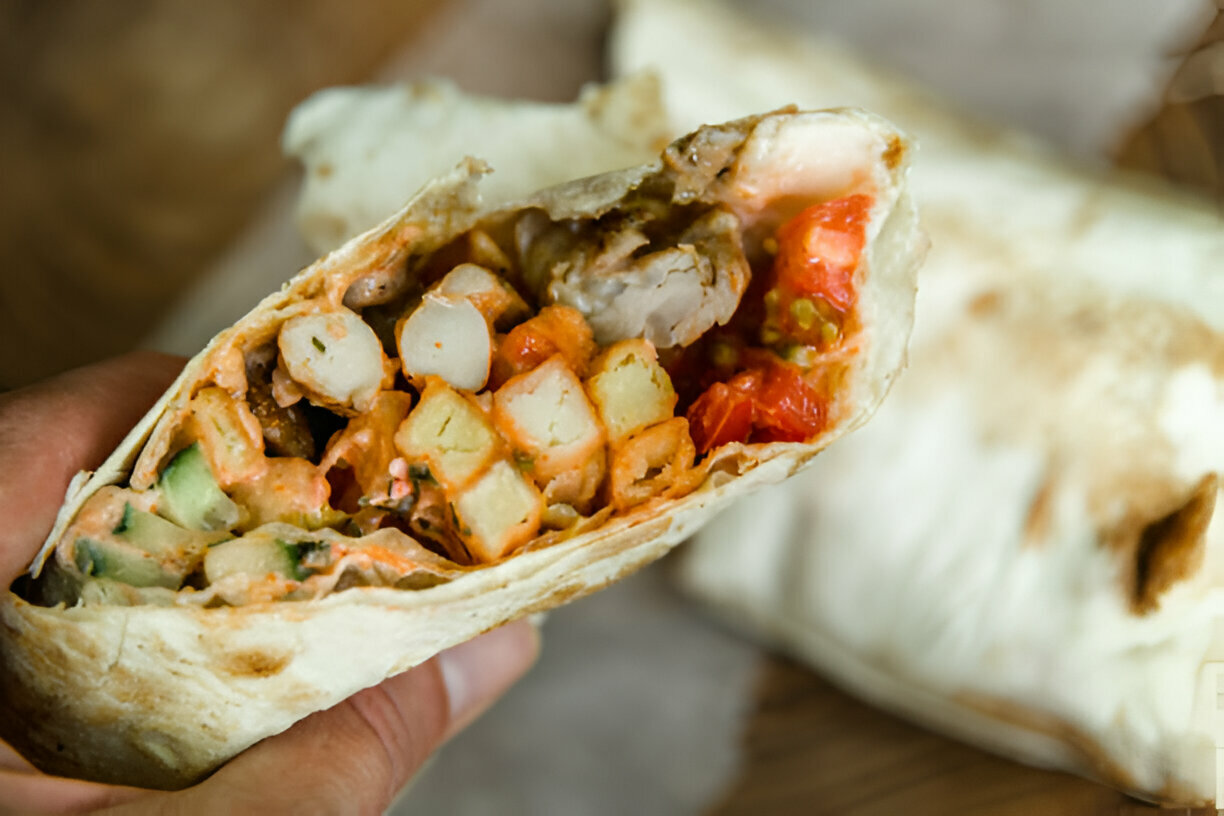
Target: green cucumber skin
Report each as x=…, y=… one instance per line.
x=106, y=559
x=191, y=497
x=157, y=536
x=258, y=556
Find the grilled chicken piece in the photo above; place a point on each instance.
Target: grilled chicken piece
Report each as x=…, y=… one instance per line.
x=627, y=285
x=335, y=355
x=630, y=389
x=499, y=512
x=556, y=434
x=450, y=434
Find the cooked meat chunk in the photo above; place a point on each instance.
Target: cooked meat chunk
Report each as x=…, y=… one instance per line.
x=670, y=295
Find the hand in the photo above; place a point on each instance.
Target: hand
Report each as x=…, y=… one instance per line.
x=353, y=758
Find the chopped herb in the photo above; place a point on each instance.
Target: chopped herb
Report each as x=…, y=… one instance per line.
x=421, y=473
x=308, y=557
x=126, y=521
x=524, y=462
x=318, y=344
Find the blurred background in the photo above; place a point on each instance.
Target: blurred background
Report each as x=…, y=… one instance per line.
x=146, y=202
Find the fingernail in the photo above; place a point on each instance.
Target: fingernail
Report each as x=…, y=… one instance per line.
x=477, y=672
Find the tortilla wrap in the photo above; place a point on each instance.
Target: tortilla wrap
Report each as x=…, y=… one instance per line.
x=1022, y=549
x=156, y=686
x=364, y=149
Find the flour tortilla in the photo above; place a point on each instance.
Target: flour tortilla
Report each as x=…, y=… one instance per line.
x=1021, y=549
x=160, y=696
x=365, y=149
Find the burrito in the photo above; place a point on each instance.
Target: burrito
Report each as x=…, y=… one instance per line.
x=460, y=417
x=1023, y=548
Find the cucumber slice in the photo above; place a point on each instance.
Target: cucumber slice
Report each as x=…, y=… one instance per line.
x=259, y=555
x=157, y=536
x=119, y=562
x=191, y=496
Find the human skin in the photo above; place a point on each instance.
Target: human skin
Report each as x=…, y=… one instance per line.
x=353, y=758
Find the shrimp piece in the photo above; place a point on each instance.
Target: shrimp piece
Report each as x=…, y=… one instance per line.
x=335, y=355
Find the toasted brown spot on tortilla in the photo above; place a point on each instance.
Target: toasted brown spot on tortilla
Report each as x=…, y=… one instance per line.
x=986, y=303
x=254, y=664
x=1040, y=512
x=1171, y=548
x=894, y=154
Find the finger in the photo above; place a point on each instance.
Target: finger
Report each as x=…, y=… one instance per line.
x=51, y=430
x=28, y=791
x=355, y=758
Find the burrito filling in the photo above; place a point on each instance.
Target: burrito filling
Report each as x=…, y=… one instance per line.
x=530, y=380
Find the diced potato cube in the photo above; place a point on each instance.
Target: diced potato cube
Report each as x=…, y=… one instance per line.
x=450, y=434
x=229, y=435
x=656, y=462
x=498, y=513
x=630, y=388
x=547, y=417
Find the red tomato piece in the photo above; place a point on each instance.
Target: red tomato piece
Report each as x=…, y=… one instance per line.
x=767, y=403
x=787, y=408
x=819, y=249
x=722, y=414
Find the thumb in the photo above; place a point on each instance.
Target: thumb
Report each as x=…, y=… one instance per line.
x=355, y=757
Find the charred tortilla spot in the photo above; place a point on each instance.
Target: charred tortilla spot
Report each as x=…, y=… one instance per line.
x=894, y=154
x=1171, y=548
x=986, y=304
x=254, y=664
x=1040, y=513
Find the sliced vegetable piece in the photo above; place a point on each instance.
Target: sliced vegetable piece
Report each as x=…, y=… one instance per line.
x=335, y=355
x=720, y=416
x=770, y=402
x=254, y=555
x=176, y=547
x=104, y=558
x=630, y=388
x=191, y=496
x=818, y=252
x=499, y=513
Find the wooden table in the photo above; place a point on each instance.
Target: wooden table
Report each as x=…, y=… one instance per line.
x=141, y=137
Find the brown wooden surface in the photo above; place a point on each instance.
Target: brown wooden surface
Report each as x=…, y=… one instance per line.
x=811, y=749
x=137, y=137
